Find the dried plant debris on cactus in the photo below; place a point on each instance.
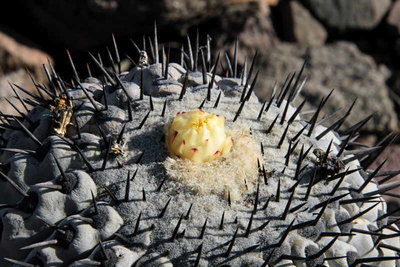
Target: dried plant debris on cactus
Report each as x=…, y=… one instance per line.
x=171, y=164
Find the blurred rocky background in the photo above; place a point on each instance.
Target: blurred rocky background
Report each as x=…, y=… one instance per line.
x=352, y=47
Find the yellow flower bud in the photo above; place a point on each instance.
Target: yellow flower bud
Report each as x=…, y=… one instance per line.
x=198, y=136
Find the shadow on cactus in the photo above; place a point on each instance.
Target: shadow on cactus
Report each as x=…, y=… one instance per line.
x=113, y=172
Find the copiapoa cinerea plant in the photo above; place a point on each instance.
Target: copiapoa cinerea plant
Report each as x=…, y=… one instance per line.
x=170, y=164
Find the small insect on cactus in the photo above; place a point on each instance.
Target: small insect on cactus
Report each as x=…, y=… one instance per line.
x=198, y=136
x=62, y=114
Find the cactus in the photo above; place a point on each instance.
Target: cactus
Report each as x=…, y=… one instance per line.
x=91, y=177
x=198, y=136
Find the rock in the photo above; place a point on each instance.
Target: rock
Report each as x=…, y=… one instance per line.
x=88, y=23
x=340, y=66
x=345, y=15
x=393, y=18
x=252, y=26
x=300, y=26
x=17, y=54
x=267, y=2
x=272, y=2
x=19, y=77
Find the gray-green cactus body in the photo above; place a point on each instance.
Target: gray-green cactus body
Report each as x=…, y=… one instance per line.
x=108, y=193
